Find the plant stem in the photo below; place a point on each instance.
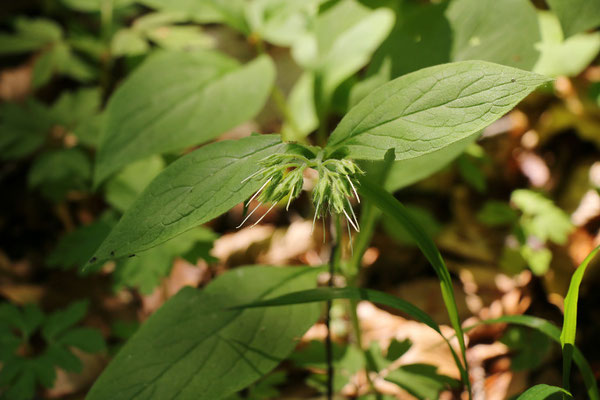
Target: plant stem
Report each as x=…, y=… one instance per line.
x=334, y=261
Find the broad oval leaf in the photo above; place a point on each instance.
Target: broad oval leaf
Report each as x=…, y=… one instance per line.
x=175, y=100
x=427, y=110
x=197, y=347
x=193, y=190
x=540, y=392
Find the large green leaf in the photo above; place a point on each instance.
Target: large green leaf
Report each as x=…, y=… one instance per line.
x=197, y=347
x=553, y=333
x=540, y=392
x=504, y=32
x=569, y=329
x=175, y=100
x=576, y=15
x=352, y=293
x=193, y=190
x=392, y=208
x=422, y=112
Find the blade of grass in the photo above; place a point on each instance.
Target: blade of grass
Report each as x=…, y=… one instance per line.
x=569, y=329
x=392, y=208
x=553, y=332
x=540, y=392
x=352, y=293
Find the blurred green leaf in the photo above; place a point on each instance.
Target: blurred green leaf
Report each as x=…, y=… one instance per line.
x=541, y=218
x=576, y=15
x=497, y=213
x=471, y=172
x=150, y=103
x=422, y=216
x=95, y=5
x=61, y=320
x=57, y=172
x=122, y=189
x=563, y=57
x=30, y=34
x=23, y=128
x=420, y=380
x=230, y=349
x=146, y=270
x=128, y=42
x=529, y=345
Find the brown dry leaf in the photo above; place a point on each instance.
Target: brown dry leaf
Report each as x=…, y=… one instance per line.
x=22, y=294
x=289, y=244
x=15, y=83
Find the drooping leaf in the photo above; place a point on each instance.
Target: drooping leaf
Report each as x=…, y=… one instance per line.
x=421, y=380
x=353, y=293
x=430, y=109
x=569, y=329
x=392, y=208
x=540, y=392
x=175, y=100
x=576, y=15
x=191, y=191
x=197, y=347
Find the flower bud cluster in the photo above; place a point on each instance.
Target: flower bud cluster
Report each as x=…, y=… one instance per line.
x=284, y=174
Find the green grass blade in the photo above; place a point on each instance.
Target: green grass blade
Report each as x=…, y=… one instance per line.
x=540, y=392
x=553, y=332
x=394, y=209
x=569, y=329
x=352, y=293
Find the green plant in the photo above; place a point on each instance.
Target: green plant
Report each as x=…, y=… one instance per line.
x=387, y=93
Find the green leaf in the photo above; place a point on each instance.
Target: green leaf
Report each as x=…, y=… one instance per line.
x=540, y=392
x=75, y=107
x=197, y=347
x=94, y=5
x=75, y=248
x=59, y=321
x=541, y=217
x=569, y=329
x=497, y=213
x=420, y=380
x=188, y=38
x=146, y=270
x=411, y=170
x=55, y=173
x=31, y=34
x=352, y=293
x=504, y=32
x=23, y=388
x=529, y=346
x=422, y=216
x=153, y=112
x=191, y=191
x=280, y=22
x=563, y=57
x=553, y=333
x=63, y=358
x=87, y=339
x=23, y=128
x=128, y=42
x=392, y=208
x=576, y=15
x=430, y=109
x=122, y=189
x=342, y=42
